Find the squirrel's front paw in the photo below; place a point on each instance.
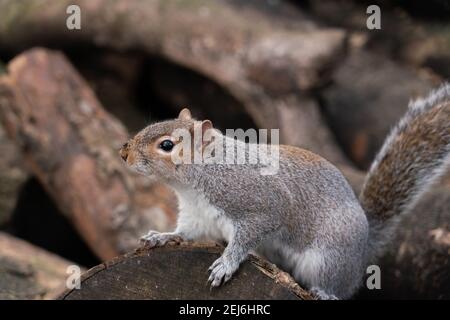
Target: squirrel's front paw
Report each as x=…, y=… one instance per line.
x=158, y=239
x=221, y=270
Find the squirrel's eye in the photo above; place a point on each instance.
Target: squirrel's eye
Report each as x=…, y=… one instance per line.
x=166, y=145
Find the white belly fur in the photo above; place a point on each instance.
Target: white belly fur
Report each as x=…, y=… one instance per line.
x=199, y=219
x=304, y=265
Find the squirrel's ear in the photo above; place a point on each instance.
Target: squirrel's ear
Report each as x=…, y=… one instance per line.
x=206, y=124
x=185, y=114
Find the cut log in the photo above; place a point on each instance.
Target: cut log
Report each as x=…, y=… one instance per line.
x=180, y=272
x=270, y=67
x=70, y=143
x=28, y=272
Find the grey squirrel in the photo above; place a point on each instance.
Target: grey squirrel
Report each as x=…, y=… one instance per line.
x=305, y=218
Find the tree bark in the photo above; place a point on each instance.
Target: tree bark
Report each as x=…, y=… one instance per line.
x=70, y=143
x=28, y=272
x=12, y=175
x=179, y=272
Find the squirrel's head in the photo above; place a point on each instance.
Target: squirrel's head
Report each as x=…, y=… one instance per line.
x=151, y=151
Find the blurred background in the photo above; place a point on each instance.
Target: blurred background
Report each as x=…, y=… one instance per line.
x=70, y=97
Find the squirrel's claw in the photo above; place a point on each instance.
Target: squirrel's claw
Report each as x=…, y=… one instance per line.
x=221, y=272
x=215, y=263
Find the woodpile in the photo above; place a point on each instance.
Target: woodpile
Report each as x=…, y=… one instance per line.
x=29, y=272
x=178, y=272
x=71, y=145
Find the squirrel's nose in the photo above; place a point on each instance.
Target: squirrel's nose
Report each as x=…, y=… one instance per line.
x=124, y=151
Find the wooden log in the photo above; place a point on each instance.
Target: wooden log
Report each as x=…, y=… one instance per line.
x=69, y=142
x=180, y=272
x=12, y=174
x=28, y=272
x=417, y=266
x=12, y=177
x=270, y=67
x=369, y=94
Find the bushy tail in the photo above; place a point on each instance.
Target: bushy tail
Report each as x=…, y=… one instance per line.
x=414, y=156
